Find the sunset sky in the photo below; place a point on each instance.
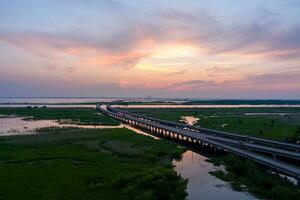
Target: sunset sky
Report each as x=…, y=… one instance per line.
x=136, y=48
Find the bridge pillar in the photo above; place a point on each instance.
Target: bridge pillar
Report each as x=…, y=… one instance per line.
x=297, y=181
x=174, y=136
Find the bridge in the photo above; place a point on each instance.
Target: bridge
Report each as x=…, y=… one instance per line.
x=270, y=153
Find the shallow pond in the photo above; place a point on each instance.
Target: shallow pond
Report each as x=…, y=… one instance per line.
x=20, y=126
x=190, y=120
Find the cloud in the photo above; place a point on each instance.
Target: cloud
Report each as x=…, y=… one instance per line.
x=285, y=79
x=261, y=37
x=191, y=85
x=85, y=50
x=122, y=35
x=180, y=72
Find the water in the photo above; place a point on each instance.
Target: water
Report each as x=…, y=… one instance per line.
x=201, y=184
x=77, y=102
x=190, y=120
x=66, y=100
x=10, y=126
x=74, y=105
x=50, y=106
x=55, y=100
x=208, y=106
x=18, y=126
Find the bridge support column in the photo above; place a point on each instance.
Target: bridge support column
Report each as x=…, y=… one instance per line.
x=166, y=133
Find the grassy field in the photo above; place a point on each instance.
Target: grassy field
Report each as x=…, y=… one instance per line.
x=245, y=175
x=88, y=164
x=275, y=123
x=75, y=115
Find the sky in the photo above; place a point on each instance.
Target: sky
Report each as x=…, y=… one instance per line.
x=159, y=48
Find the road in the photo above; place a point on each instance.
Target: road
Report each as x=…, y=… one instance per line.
x=235, y=145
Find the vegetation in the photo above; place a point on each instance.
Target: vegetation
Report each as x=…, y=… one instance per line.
x=88, y=164
x=246, y=175
x=274, y=123
x=86, y=116
x=296, y=136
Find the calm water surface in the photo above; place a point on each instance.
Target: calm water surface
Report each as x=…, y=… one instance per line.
x=201, y=184
x=56, y=100
x=19, y=126
x=190, y=120
x=207, y=106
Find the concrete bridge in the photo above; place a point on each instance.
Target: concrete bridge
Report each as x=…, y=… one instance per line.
x=264, y=151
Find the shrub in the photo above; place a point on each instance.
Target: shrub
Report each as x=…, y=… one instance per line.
x=157, y=183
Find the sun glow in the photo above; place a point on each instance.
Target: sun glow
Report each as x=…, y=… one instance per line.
x=177, y=51
x=167, y=57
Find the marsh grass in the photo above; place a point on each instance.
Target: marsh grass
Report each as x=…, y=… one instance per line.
x=68, y=163
x=245, y=175
x=80, y=116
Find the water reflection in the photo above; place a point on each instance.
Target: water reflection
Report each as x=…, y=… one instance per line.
x=22, y=126
x=201, y=184
x=19, y=126
x=139, y=131
x=190, y=120
x=48, y=106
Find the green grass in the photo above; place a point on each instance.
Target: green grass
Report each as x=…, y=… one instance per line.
x=242, y=172
x=88, y=164
x=279, y=127
x=76, y=115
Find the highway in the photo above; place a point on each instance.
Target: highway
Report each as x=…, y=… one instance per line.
x=230, y=144
x=244, y=138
